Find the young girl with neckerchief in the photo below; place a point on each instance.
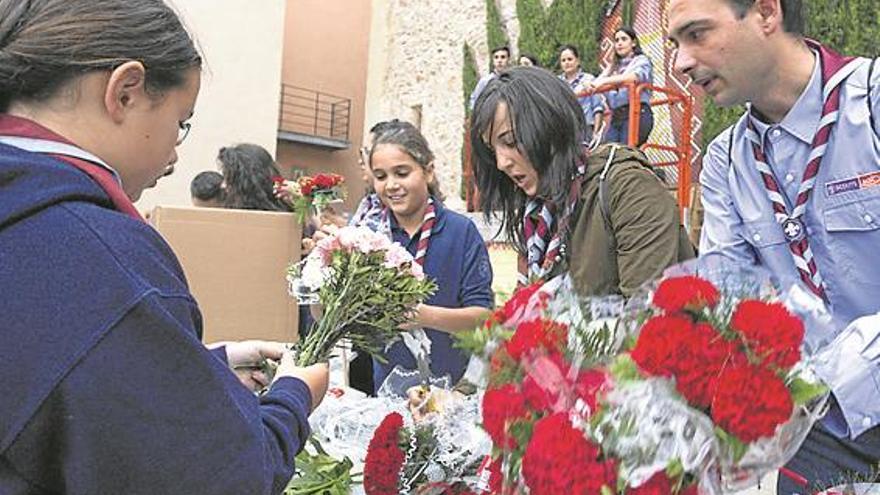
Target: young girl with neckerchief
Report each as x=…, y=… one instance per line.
x=447, y=245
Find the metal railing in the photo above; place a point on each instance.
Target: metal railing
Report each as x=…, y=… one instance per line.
x=681, y=147
x=310, y=112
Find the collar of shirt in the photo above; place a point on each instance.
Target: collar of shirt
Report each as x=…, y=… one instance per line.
x=398, y=232
x=803, y=118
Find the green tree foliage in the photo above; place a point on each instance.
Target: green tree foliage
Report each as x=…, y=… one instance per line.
x=543, y=30
x=851, y=27
x=469, y=75
x=494, y=30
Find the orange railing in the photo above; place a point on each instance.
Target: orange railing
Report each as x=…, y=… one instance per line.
x=682, y=150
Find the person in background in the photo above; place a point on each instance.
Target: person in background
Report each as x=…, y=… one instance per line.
x=603, y=217
x=528, y=60
x=447, y=245
x=248, y=170
x=206, y=190
x=500, y=62
x=792, y=187
x=578, y=81
x=100, y=348
x=630, y=64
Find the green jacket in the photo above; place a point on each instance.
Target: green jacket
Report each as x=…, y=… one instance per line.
x=648, y=236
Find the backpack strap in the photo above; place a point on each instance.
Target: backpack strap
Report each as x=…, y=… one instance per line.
x=605, y=200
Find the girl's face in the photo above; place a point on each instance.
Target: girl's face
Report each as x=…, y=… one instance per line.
x=569, y=62
x=525, y=62
x=400, y=182
x=509, y=158
x=624, y=46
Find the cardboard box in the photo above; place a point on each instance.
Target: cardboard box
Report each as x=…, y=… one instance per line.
x=236, y=262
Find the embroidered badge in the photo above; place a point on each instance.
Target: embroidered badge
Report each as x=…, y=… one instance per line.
x=852, y=184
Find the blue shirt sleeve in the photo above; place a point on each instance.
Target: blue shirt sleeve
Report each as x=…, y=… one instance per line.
x=874, y=84
x=149, y=409
x=721, y=234
x=476, y=284
x=850, y=365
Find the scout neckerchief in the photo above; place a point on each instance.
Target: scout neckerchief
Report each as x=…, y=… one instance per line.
x=546, y=238
x=835, y=69
x=30, y=136
x=428, y=222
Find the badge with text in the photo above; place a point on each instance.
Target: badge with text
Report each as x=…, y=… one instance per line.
x=852, y=184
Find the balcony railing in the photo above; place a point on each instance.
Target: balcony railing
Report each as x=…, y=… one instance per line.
x=311, y=117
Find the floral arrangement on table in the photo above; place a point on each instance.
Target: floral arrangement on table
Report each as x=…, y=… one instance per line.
x=309, y=193
x=427, y=456
x=690, y=386
x=366, y=286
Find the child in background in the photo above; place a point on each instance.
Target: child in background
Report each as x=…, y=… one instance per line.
x=206, y=189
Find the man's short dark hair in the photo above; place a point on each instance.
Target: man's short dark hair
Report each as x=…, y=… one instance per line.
x=207, y=185
x=792, y=13
x=504, y=48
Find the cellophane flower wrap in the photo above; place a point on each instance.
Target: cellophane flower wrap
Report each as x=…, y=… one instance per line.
x=548, y=353
x=718, y=383
x=367, y=287
x=309, y=193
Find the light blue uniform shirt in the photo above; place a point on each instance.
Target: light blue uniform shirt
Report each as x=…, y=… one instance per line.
x=842, y=220
x=641, y=66
x=590, y=104
x=481, y=85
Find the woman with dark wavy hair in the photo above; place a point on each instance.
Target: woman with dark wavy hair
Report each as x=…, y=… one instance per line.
x=248, y=170
x=602, y=216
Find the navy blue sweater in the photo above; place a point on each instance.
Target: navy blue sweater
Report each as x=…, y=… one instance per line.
x=105, y=387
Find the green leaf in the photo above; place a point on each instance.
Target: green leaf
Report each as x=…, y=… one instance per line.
x=735, y=446
x=802, y=391
x=675, y=469
x=624, y=369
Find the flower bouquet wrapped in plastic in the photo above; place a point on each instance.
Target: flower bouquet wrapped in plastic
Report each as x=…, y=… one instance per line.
x=309, y=194
x=367, y=287
x=718, y=382
x=548, y=352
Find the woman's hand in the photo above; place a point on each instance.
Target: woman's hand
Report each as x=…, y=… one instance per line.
x=316, y=376
x=246, y=360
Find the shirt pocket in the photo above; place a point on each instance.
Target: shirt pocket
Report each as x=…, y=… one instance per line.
x=859, y=215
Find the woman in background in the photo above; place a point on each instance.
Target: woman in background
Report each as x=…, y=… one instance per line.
x=248, y=170
x=630, y=64
x=579, y=81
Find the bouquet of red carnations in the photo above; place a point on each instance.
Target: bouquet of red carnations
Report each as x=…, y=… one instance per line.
x=717, y=382
x=548, y=352
x=436, y=450
x=309, y=193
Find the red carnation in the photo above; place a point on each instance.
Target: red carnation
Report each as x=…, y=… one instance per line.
x=661, y=344
x=384, y=457
x=589, y=384
x=770, y=331
x=501, y=407
x=518, y=302
x=706, y=354
x=559, y=459
x=326, y=181
x=306, y=185
x=750, y=402
x=536, y=334
x=659, y=484
x=685, y=293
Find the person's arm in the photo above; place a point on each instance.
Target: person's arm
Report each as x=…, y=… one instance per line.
x=850, y=366
x=148, y=409
x=477, y=90
x=646, y=226
x=475, y=293
x=721, y=233
x=450, y=320
x=874, y=84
